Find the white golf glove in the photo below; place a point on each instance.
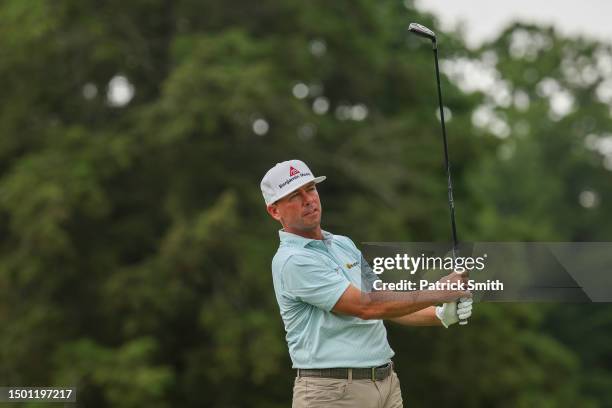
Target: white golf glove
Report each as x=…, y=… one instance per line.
x=451, y=313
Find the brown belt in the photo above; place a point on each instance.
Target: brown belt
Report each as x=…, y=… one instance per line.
x=371, y=373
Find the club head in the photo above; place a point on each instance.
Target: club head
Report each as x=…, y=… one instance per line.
x=422, y=31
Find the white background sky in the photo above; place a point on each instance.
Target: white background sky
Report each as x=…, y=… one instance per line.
x=485, y=18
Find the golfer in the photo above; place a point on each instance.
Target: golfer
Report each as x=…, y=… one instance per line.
x=337, y=340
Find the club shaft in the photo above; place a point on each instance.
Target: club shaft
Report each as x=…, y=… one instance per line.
x=451, y=202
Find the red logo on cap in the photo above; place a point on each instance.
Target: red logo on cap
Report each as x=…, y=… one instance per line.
x=293, y=171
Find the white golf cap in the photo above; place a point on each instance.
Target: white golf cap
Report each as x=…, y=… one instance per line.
x=285, y=178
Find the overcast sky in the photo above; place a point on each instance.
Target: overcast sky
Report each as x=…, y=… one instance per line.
x=485, y=18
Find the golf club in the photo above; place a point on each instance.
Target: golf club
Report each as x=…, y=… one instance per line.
x=425, y=32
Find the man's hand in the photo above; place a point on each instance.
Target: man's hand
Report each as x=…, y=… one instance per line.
x=450, y=313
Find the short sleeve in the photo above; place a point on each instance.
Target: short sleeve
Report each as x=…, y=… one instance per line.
x=368, y=277
x=312, y=281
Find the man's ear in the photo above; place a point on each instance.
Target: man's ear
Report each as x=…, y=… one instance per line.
x=273, y=211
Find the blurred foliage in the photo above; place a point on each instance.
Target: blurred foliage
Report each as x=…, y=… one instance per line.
x=135, y=249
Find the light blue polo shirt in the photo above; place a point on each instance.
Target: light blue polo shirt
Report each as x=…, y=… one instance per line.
x=309, y=277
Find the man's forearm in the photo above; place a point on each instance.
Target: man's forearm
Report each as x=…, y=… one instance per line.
x=389, y=305
x=423, y=317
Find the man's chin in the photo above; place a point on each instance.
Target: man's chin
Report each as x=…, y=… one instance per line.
x=316, y=223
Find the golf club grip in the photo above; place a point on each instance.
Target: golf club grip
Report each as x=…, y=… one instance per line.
x=462, y=322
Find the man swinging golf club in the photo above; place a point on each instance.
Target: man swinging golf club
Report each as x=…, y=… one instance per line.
x=337, y=340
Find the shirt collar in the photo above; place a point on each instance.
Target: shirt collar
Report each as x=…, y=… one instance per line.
x=296, y=240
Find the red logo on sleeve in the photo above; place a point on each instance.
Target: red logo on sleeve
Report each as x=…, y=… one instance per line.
x=293, y=171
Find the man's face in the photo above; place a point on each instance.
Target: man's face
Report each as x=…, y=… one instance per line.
x=300, y=210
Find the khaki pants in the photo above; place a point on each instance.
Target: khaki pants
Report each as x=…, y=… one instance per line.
x=312, y=392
